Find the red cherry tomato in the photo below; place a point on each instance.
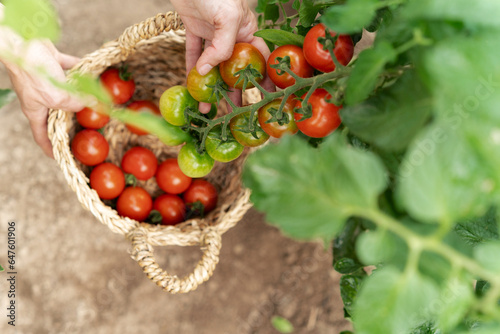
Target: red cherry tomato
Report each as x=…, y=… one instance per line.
x=135, y=203
x=320, y=59
x=243, y=55
x=89, y=147
x=92, y=118
x=107, y=180
x=118, y=84
x=171, y=207
x=298, y=65
x=140, y=162
x=202, y=191
x=170, y=178
x=274, y=129
x=142, y=106
x=325, y=116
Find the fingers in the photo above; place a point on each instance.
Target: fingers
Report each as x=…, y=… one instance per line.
x=38, y=125
x=220, y=50
x=235, y=96
x=194, y=46
x=66, y=61
x=204, y=107
x=261, y=46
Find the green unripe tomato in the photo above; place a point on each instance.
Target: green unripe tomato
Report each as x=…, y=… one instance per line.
x=192, y=163
x=239, y=129
x=223, y=151
x=198, y=84
x=173, y=102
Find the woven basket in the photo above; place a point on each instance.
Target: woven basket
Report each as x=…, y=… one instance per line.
x=154, y=52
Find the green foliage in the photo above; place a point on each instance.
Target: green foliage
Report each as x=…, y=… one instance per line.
x=392, y=119
x=349, y=287
x=478, y=230
x=280, y=37
x=282, y=325
x=393, y=302
x=6, y=96
x=365, y=75
x=350, y=17
x=281, y=188
x=31, y=19
x=421, y=117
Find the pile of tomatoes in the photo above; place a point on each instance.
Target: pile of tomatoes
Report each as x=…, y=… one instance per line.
x=183, y=196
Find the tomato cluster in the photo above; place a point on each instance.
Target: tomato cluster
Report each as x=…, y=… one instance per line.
x=219, y=145
x=323, y=116
x=183, y=197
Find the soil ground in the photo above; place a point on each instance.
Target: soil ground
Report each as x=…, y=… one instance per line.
x=76, y=276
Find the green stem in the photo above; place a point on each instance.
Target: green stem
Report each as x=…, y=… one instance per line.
x=431, y=244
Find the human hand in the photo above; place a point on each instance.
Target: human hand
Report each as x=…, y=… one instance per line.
x=36, y=94
x=221, y=23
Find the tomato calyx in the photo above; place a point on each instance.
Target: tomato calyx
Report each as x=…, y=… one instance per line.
x=124, y=73
x=305, y=111
x=252, y=126
x=328, y=42
x=278, y=116
x=130, y=180
x=283, y=66
x=248, y=74
x=196, y=209
x=218, y=90
x=155, y=217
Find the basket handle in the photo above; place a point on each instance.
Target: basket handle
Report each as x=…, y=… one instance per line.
x=142, y=252
x=147, y=29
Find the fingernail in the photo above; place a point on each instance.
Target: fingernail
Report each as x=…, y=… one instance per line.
x=204, y=69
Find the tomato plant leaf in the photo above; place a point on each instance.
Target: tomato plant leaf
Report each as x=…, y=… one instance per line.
x=280, y=37
x=168, y=134
x=427, y=328
x=375, y=247
x=282, y=325
x=345, y=260
x=6, y=96
x=349, y=287
x=440, y=170
x=32, y=19
x=478, y=230
x=391, y=302
x=269, y=9
x=455, y=299
x=393, y=118
x=479, y=12
x=350, y=17
x=308, y=12
x=487, y=254
x=334, y=180
x=382, y=17
x=366, y=72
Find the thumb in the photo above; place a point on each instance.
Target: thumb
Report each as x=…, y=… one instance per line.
x=65, y=101
x=220, y=50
